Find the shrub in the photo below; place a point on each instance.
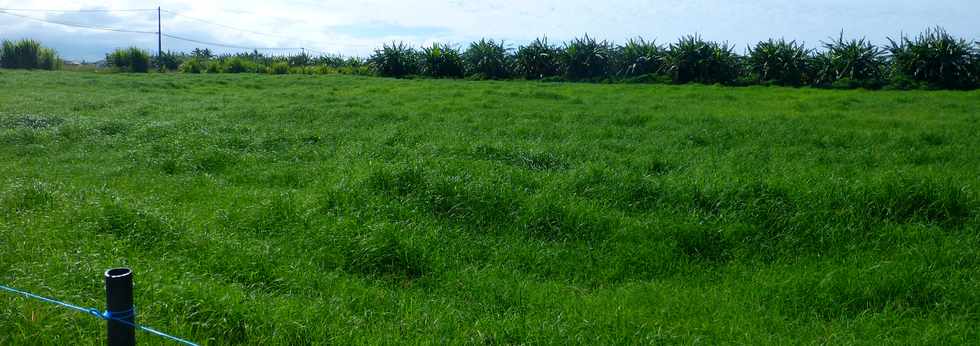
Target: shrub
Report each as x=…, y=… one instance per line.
x=395, y=60
x=586, y=59
x=362, y=70
x=28, y=54
x=537, y=60
x=638, y=57
x=129, y=60
x=487, y=59
x=935, y=58
x=238, y=65
x=779, y=62
x=281, y=67
x=334, y=61
x=693, y=59
x=325, y=69
x=441, y=60
x=855, y=62
x=170, y=61
x=301, y=59
x=214, y=66
x=193, y=65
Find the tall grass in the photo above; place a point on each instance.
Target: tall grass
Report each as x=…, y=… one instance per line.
x=349, y=210
x=935, y=58
x=537, y=60
x=487, y=59
x=441, y=61
x=28, y=54
x=129, y=60
x=779, y=62
x=692, y=59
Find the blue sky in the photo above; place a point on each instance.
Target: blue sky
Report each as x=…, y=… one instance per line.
x=356, y=28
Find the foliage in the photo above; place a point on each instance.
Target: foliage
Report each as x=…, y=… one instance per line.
x=214, y=66
x=301, y=59
x=779, y=61
x=169, y=61
x=487, y=59
x=441, y=61
x=537, y=60
x=639, y=57
x=395, y=60
x=586, y=58
x=238, y=65
x=193, y=65
x=129, y=60
x=281, y=67
x=693, y=59
x=28, y=54
x=203, y=54
x=851, y=63
x=935, y=58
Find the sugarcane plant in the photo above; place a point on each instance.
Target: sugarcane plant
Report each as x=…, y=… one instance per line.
x=131, y=59
x=28, y=54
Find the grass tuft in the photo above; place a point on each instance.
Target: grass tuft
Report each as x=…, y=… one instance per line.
x=21, y=197
x=383, y=253
x=547, y=218
x=137, y=226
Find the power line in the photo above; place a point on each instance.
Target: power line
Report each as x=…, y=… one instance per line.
x=76, y=25
x=228, y=45
x=84, y=26
x=223, y=25
x=205, y=21
x=82, y=10
x=180, y=38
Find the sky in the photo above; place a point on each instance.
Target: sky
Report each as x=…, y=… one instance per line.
x=356, y=28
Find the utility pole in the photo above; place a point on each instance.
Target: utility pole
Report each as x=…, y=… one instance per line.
x=159, y=39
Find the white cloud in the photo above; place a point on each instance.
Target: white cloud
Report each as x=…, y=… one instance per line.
x=355, y=28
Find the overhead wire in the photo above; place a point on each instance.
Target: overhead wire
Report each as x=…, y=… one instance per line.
x=9, y=12
x=227, y=45
x=222, y=25
x=205, y=21
x=79, y=10
x=77, y=25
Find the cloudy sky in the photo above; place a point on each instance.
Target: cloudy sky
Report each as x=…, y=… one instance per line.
x=356, y=27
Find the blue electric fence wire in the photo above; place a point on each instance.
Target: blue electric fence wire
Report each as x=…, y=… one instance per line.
x=106, y=315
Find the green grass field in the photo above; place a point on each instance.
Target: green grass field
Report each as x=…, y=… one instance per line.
x=330, y=209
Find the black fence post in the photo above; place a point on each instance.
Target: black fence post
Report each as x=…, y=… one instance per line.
x=119, y=304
